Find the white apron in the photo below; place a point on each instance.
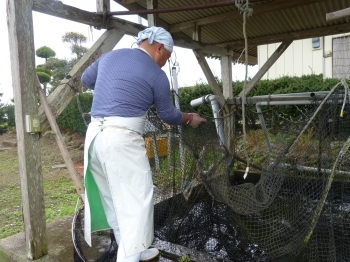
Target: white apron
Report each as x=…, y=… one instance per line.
x=130, y=182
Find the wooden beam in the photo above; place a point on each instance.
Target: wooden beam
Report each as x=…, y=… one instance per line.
x=210, y=77
x=260, y=9
x=309, y=33
x=62, y=95
x=152, y=18
x=272, y=59
x=338, y=14
x=60, y=142
x=56, y=8
x=21, y=42
x=226, y=76
x=128, y=1
x=197, y=33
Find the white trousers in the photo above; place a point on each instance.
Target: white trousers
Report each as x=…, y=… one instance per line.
x=101, y=179
x=120, y=169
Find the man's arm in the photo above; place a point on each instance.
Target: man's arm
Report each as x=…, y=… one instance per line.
x=89, y=76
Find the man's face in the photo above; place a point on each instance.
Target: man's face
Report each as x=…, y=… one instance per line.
x=162, y=55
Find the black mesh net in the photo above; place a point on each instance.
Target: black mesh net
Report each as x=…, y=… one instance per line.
x=291, y=206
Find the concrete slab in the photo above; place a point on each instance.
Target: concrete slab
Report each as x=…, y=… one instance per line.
x=60, y=247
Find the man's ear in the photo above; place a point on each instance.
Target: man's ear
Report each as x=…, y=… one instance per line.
x=160, y=47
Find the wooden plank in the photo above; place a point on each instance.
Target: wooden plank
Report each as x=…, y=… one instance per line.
x=210, y=77
x=296, y=35
x=22, y=52
x=272, y=59
x=152, y=18
x=128, y=1
x=56, y=8
x=338, y=14
x=63, y=94
x=60, y=142
x=260, y=9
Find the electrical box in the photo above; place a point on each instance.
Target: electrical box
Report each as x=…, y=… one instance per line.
x=32, y=124
x=327, y=53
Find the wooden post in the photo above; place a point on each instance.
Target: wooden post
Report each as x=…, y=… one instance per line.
x=197, y=33
x=272, y=59
x=21, y=42
x=226, y=76
x=100, y=4
x=152, y=18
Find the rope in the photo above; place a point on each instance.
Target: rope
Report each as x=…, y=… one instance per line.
x=81, y=110
x=243, y=7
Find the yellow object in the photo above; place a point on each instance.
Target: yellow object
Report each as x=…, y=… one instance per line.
x=162, y=146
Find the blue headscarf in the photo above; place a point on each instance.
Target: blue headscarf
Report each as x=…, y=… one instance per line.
x=157, y=34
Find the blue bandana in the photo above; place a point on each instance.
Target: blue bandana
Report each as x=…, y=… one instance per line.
x=157, y=34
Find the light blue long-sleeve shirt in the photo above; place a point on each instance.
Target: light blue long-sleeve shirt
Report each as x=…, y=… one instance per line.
x=127, y=82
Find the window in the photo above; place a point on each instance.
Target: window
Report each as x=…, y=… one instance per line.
x=316, y=42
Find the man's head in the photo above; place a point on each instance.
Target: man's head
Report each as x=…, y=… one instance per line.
x=159, y=43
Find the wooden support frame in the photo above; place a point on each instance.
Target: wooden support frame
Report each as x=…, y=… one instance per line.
x=56, y=8
x=103, y=5
x=62, y=95
x=272, y=59
x=20, y=31
x=60, y=142
x=210, y=77
x=152, y=18
x=226, y=76
x=338, y=14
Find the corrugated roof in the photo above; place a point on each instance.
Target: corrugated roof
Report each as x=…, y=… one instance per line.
x=272, y=21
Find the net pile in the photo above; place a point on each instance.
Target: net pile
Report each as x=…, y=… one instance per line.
x=293, y=206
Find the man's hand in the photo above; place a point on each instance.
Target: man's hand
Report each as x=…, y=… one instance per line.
x=196, y=120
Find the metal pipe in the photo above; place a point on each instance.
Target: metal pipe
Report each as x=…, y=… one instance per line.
x=314, y=169
x=172, y=9
x=177, y=105
x=215, y=107
x=219, y=123
x=307, y=96
x=263, y=126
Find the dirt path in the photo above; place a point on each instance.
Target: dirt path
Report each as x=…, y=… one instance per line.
x=50, y=154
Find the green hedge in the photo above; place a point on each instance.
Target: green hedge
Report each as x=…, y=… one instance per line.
x=71, y=119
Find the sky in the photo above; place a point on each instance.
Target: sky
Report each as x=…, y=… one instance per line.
x=48, y=31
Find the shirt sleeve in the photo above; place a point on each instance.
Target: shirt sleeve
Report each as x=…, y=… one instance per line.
x=162, y=101
x=89, y=76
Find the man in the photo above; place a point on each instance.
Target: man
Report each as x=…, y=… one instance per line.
x=118, y=179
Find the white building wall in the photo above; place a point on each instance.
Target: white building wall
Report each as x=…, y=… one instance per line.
x=300, y=58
